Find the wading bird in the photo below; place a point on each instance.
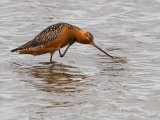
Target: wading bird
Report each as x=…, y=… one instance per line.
x=54, y=38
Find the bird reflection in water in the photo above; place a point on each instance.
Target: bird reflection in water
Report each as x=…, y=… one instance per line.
x=55, y=77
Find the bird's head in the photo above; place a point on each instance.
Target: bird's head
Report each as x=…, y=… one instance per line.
x=84, y=37
x=87, y=38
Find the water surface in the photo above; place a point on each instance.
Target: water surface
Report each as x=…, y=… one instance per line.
x=85, y=84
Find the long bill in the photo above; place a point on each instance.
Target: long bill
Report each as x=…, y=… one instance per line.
x=93, y=44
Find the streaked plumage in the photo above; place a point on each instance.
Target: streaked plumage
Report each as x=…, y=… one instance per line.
x=55, y=37
x=49, y=34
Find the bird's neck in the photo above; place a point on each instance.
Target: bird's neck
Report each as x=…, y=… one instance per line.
x=80, y=36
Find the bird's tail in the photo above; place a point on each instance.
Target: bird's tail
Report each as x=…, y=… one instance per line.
x=16, y=49
x=25, y=46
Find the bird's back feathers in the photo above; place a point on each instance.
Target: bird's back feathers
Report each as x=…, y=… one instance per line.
x=50, y=33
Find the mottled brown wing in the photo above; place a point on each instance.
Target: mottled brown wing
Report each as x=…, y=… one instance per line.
x=48, y=34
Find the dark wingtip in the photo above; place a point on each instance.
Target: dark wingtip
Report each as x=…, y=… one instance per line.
x=14, y=50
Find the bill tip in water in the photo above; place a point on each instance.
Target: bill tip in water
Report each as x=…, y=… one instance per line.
x=93, y=44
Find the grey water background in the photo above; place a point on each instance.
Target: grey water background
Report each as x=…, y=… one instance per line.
x=85, y=84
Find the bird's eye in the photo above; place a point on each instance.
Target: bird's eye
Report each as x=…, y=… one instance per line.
x=89, y=36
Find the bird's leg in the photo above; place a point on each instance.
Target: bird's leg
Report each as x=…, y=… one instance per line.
x=51, y=56
x=62, y=55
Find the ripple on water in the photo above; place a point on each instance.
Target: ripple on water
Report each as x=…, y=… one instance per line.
x=85, y=84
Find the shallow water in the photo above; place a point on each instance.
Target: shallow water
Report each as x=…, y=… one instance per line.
x=85, y=84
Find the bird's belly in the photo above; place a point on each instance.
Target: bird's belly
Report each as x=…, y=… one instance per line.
x=56, y=44
x=36, y=51
x=46, y=48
